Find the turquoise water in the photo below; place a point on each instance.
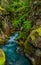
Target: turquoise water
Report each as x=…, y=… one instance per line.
x=12, y=54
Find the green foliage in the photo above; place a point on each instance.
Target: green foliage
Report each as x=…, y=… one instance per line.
x=27, y=25
x=15, y=6
x=16, y=23
x=21, y=35
x=18, y=9
x=19, y=21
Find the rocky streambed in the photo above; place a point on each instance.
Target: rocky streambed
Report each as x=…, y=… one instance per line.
x=14, y=53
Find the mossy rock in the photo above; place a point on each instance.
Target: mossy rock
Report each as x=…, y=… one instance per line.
x=35, y=37
x=2, y=57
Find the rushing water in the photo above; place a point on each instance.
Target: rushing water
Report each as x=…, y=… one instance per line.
x=12, y=55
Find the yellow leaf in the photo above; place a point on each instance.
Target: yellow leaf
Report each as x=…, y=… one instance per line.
x=1, y=8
